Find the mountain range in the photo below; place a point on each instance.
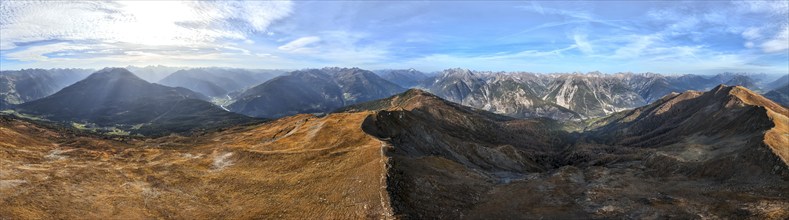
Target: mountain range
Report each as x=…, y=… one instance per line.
x=116, y=97
x=561, y=96
x=20, y=86
x=566, y=96
x=784, y=80
x=448, y=161
x=312, y=91
x=780, y=95
x=415, y=155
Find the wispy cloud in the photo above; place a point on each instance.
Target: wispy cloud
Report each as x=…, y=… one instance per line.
x=37, y=53
x=539, y=36
x=300, y=44
x=582, y=44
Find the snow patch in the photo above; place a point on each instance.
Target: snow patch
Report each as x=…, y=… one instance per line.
x=55, y=155
x=222, y=161
x=191, y=156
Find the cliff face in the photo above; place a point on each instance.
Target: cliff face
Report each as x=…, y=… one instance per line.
x=571, y=96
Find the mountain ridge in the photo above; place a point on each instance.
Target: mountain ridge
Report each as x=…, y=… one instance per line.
x=17, y=87
x=312, y=91
x=415, y=155
x=117, y=97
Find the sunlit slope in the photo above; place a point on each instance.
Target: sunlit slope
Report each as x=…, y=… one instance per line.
x=297, y=167
x=725, y=132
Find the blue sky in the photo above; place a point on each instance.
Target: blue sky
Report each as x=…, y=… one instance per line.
x=536, y=36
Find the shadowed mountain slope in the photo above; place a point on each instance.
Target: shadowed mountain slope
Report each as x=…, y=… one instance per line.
x=783, y=81
x=217, y=82
x=448, y=160
x=727, y=132
x=312, y=91
x=404, y=78
x=153, y=73
x=116, y=97
x=17, y=87
x=780, y=95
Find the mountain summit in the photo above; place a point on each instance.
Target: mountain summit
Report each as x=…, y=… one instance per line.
x=116, y=97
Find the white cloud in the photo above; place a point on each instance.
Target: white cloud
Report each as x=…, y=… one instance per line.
x=108, y=33
x=533, y=60
x=265, y=55
x=774, y=8
x=583, y=44
x=338, y=48
x=300, y=45
x=752, y=33
x=36, y=53
x=778, y=29
x=538, y=8
x=137, y=22
x=748, y=44
x=779, y=43
x=636, y=47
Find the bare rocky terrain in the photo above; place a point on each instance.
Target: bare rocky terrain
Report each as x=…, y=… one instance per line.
x=567, y=96
x=416, y=156
x=657, y=161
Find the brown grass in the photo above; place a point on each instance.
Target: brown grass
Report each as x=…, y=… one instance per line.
x=777, y=137
x=326, y=168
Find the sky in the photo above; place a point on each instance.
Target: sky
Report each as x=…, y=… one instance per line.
x=700, y=37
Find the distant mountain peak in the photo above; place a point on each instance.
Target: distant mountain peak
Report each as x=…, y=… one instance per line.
x=116, y=97
x=118, y=70
x=116, y=73
x=313, y=91
x=417, y=92
x=459, y=71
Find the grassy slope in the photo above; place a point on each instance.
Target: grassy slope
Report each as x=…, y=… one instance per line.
x=297, y=167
